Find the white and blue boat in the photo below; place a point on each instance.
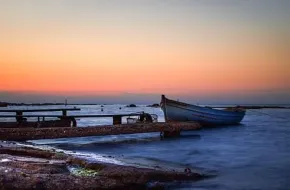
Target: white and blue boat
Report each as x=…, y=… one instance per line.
x=207, y=116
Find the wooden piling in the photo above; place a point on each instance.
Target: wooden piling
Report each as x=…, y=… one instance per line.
x=117, y=120
x=22, y=134
x=171, y=133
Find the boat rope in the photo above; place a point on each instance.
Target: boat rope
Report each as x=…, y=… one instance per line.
x=270, y=115
x=147, y=116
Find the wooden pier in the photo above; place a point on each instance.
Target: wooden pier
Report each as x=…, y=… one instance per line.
x=21, y=120
x=63, y=120
x=168, y=129
x=65, y=125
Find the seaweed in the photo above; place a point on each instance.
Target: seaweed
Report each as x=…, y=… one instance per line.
x=83, y=172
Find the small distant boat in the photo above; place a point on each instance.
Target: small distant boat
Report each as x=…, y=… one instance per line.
x=179, y=111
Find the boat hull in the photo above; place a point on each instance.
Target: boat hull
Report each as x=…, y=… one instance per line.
x=178, y=111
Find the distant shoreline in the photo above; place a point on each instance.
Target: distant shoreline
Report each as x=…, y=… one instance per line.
x=47, y=104
x=63, y=104
x=245, y=106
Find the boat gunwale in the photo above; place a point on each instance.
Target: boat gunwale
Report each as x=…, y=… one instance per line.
x=181, y=105
x=240, y=110
x=206, y=113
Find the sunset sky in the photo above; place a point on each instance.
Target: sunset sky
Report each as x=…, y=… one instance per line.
x=102, y=50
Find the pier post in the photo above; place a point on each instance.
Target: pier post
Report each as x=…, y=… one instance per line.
x=168, y=134
x=74, y=122
x=171, y=133
x=117, y=120
x=64, y=113
x=19, y=116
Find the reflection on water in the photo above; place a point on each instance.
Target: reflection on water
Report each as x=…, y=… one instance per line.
x=254, y=155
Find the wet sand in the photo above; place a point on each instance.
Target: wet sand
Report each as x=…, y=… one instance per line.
x=31, y=168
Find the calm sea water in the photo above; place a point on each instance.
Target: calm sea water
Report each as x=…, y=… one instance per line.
x=251, y=156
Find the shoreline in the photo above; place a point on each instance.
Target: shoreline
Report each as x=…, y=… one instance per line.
x=28, y=167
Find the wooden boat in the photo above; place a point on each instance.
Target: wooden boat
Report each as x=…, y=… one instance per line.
x=179, y=111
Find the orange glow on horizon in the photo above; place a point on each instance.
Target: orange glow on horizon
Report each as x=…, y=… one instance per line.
x=141, y=70
x=94, y=57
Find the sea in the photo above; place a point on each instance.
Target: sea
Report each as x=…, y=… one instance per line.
x=254, y=155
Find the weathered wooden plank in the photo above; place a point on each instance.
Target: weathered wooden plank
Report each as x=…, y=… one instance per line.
x=39, y=110
x=22, y=134
x=106, y=115
x=32, y=124
x=75, y=116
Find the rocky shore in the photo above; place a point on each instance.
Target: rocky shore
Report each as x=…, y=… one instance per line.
x=32, y=168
